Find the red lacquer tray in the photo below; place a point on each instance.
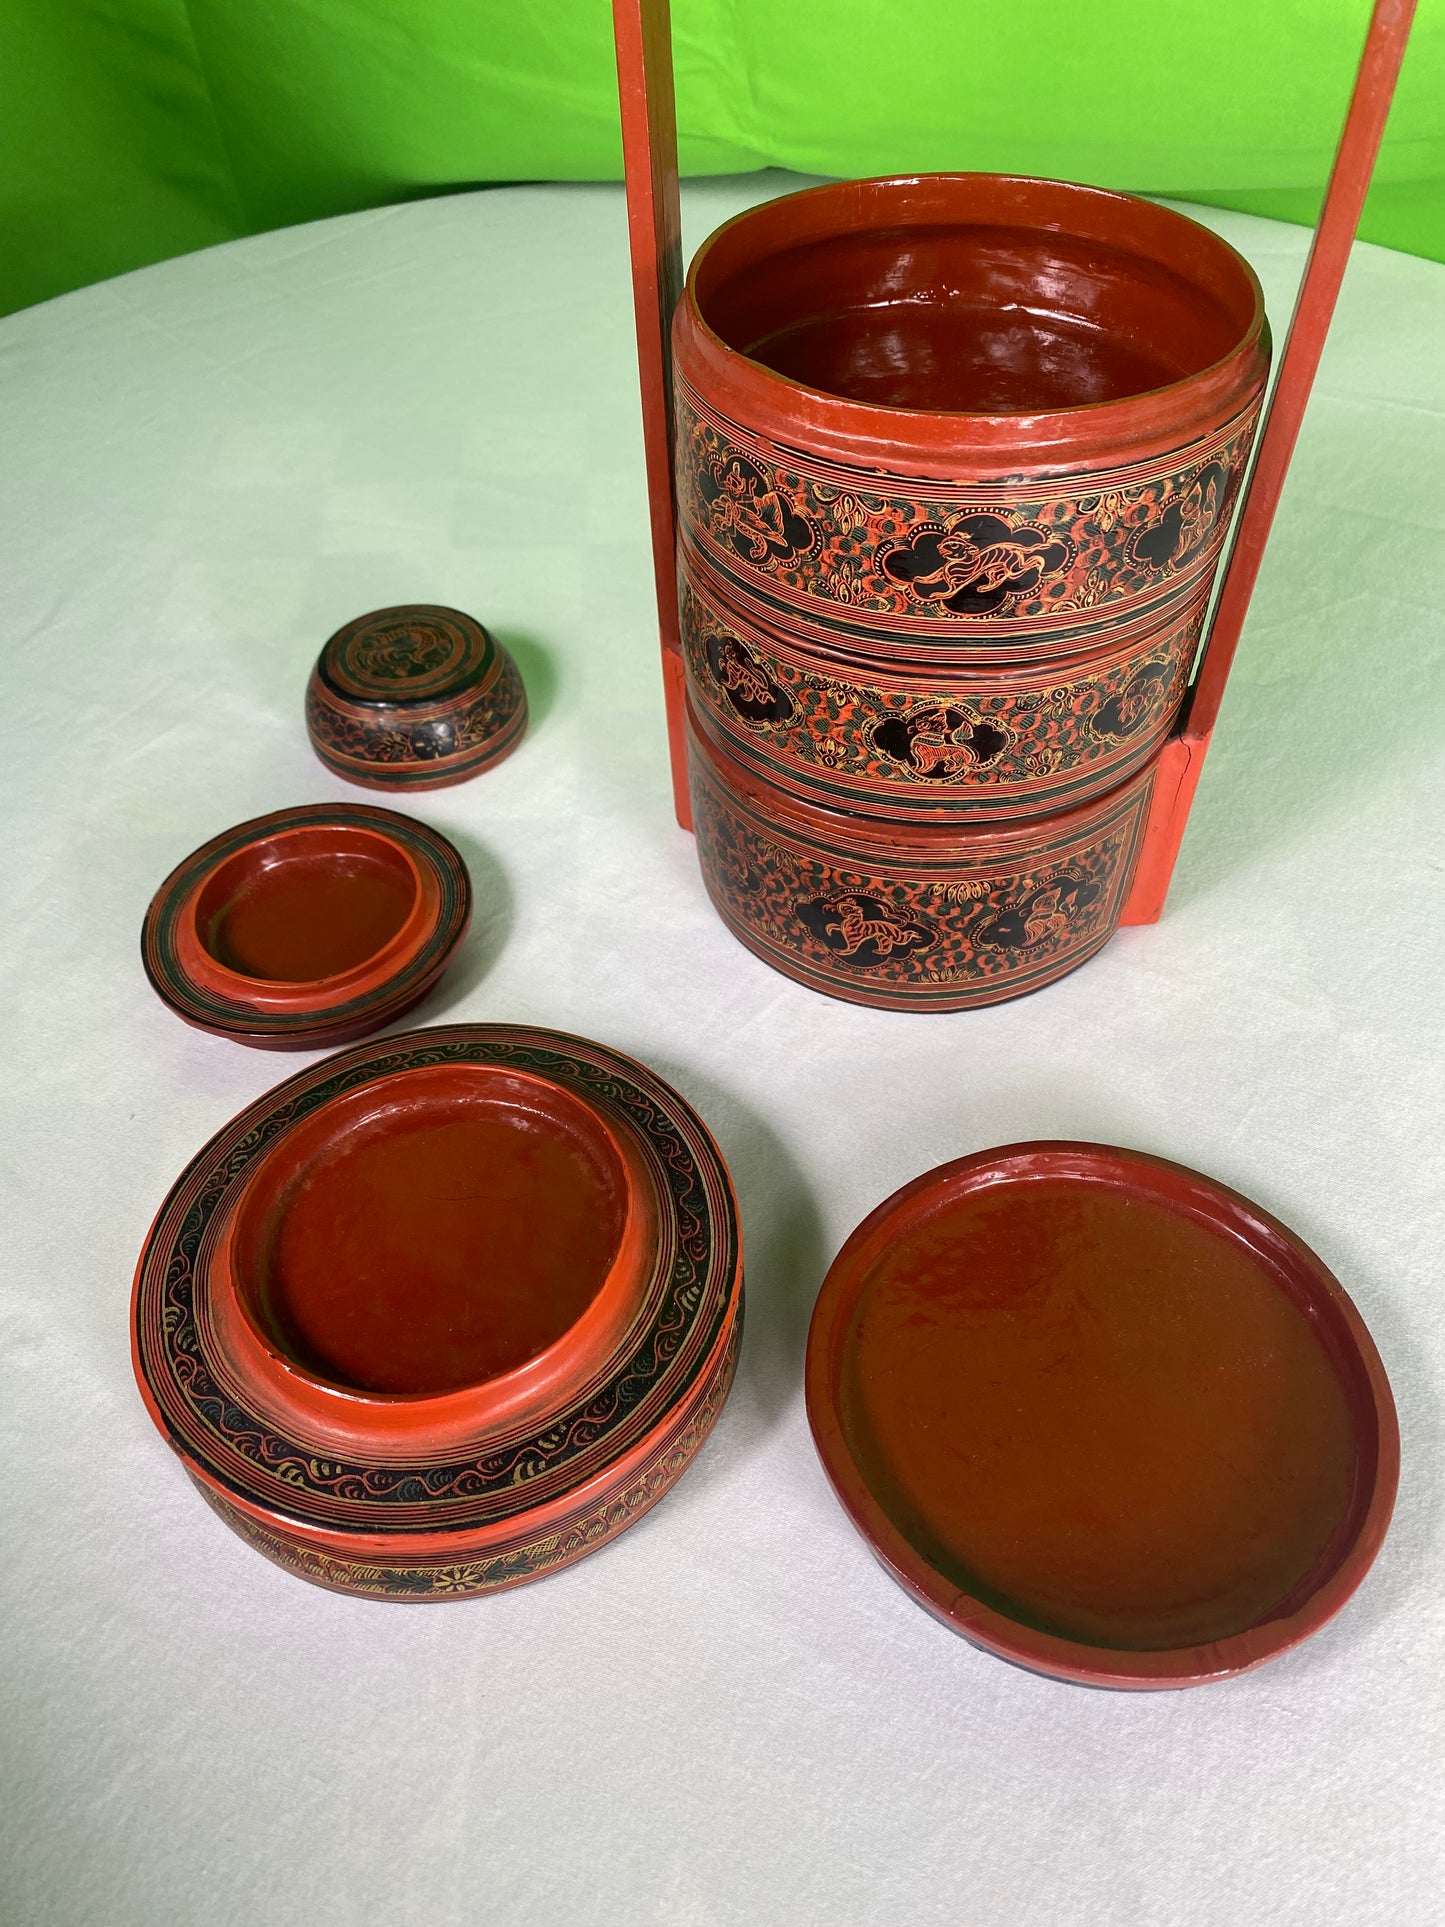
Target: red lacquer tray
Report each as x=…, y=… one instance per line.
x=1102, y=1416
x=445, y=1312
x=307, y=927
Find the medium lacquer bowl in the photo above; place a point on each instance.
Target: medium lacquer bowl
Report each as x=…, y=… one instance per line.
x=444, y=1313
x=414, y=697
x=307, y=927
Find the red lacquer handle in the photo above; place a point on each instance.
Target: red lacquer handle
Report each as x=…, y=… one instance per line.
x=643, y=32
x=1183, y=755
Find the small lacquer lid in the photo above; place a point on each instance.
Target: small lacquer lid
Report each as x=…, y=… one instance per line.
x=414, y=697
x=307, y=927
x=1101, y=1415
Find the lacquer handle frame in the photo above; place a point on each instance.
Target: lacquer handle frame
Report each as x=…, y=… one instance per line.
x=643, y=31
x=1183, y=754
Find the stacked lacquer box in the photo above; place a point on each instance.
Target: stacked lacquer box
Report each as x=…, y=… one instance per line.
x=955, y=461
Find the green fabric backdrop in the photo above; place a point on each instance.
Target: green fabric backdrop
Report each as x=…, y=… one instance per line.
x=135, y=129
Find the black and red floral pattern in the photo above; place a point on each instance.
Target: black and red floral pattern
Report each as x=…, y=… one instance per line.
x=996, y=570
x=980, y=744
x=936, y=924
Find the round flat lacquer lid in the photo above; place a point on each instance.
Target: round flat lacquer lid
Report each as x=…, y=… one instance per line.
x=307, y=927
x=413, y=653
x=1101, y=1415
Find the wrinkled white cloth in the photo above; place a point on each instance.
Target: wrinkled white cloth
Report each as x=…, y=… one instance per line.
x=731, y=1715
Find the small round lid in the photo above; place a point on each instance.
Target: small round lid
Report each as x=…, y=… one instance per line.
x=414, y=697
x=417, y=652
x=307, y=927
x=1101, y=1415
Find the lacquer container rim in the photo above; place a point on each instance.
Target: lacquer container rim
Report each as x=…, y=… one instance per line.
x=947, y=444
x=334, y=1416
x=1301, y=1274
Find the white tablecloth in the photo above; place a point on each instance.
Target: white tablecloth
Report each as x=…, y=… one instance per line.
x=731, y=1715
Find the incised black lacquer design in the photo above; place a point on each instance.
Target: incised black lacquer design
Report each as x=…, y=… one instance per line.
x=658, y=1390
x=1021, y=740
x=414, y=697
x=999, y=570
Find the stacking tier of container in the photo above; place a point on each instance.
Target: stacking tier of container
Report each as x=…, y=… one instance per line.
x=955, y=462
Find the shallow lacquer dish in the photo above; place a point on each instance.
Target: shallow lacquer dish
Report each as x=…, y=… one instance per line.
x=307, y=927
x=1099, y=1414
x=443, y=1313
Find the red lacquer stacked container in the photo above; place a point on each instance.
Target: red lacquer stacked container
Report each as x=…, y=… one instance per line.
x=956, y=457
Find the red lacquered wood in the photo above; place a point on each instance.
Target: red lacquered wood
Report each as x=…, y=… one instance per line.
x=1180, y=761
x=911, y=916
x=440, y=1236
x=1364, y=128
x=953, y=743
x=307, y=927
x=1344, y=202
x=1037, y=257
x=642, y=30
x=428, y=1386
x=1101, y=1415
x=371, y=1293
x=300, y=919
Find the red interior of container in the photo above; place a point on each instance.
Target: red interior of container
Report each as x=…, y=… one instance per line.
x=974, y=294
x=306, y=905
x=434, y=1232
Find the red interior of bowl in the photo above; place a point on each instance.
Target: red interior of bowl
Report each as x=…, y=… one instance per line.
x=431, y=1233
x=974, y=294
x=306, y=905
